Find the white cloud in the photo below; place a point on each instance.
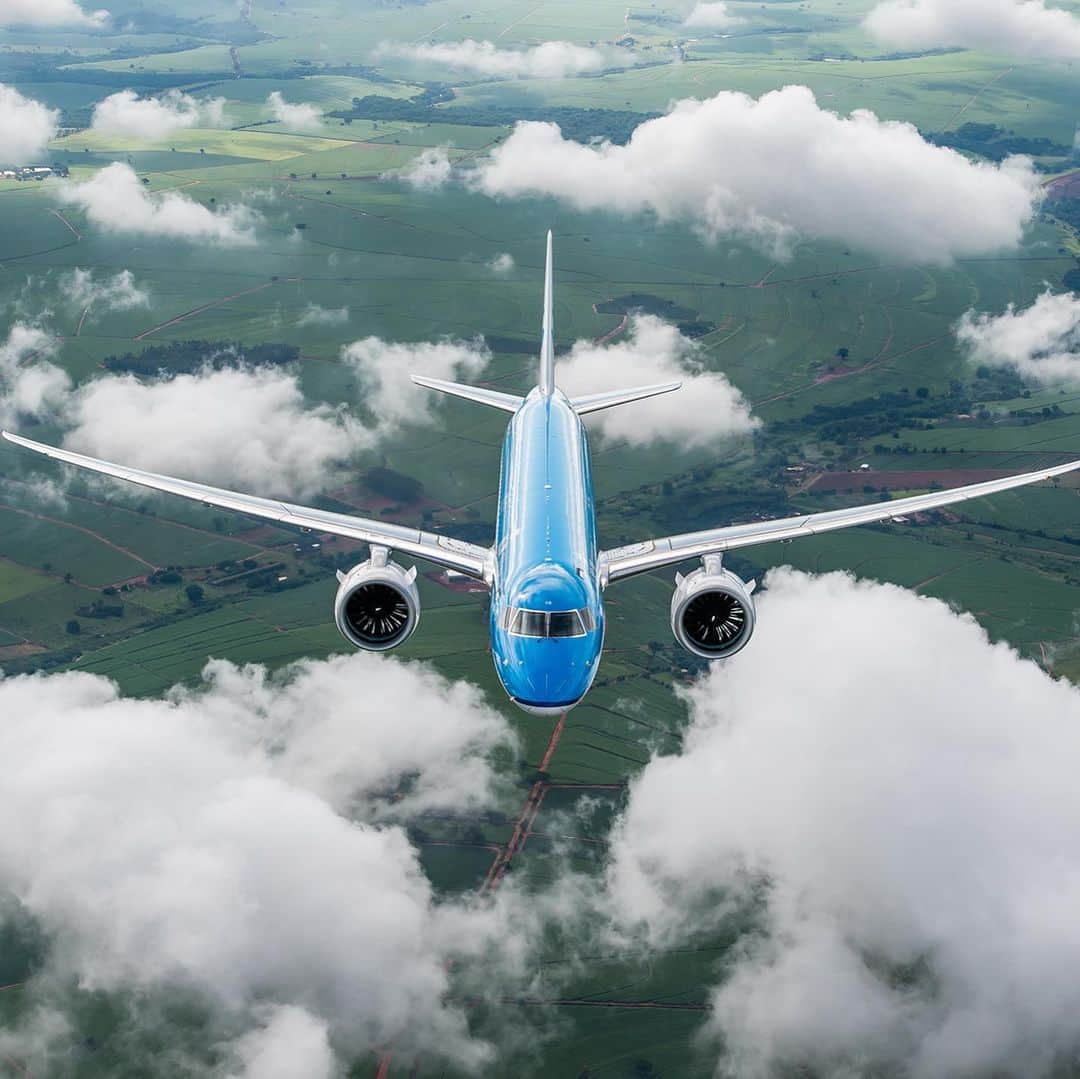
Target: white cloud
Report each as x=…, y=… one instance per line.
x=49, y=13
x=152, y=118
x=26, y=126
x=293, y=1044
x=30, y=384
x=713, y=16
x=502, y=264
x=248, y=428
x=1041, y=341
x=116, y=293
x=776, y=169
x=706, y=409
x=216, y=848
x=314, y=315
x=430, y=169
x=383, y=368
x=115, y=200
x=1021, y=27
x=885, y=802
x=298, y=117
x=551, y=60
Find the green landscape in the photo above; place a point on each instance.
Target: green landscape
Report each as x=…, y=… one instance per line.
x=848, y=360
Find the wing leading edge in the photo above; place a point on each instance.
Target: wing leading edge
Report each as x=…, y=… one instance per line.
x=442, y=550
x=670, y=550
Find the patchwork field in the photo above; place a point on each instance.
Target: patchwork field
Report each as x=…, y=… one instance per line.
x=845, y=357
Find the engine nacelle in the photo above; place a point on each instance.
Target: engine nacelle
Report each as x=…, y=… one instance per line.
x=377, y=606
x=712, y=614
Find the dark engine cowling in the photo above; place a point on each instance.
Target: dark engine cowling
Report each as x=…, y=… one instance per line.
x=377, y=606
x=712, y=614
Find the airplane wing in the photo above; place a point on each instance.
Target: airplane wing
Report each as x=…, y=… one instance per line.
x=442, y=550
x=637, y=558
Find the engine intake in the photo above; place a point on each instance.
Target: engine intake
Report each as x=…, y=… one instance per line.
x=377, y=606
x=712, y=614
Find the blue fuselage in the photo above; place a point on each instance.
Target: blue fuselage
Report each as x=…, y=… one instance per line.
x=547, y=615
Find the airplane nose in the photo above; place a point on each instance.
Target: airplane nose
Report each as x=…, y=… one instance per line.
x=544, y=711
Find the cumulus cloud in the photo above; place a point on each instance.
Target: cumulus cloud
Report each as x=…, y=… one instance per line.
x=888, y=810
x=502, y=264
x=242, y=427
x=219, y=845
x=292, y=1043
x=49, y=13
x=727, y=165
x=116, y=293
x=430, y=170
x=30, y=384
x=383, y=368
x=150, y=118
x=712, y=16
x=26, y=126
x=551, y=60
x=707, y=408
x=115, y=200
x=314, y=315
x=1041, y=341
x=298, y=117
x=1021, y=27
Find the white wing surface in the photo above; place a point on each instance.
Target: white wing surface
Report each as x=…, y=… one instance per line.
x=670, y=550
x=442, y=550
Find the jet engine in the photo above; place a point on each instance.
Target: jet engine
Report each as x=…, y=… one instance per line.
x=377, y=606
x=712, y=614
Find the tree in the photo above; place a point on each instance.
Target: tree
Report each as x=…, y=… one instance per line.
x=195, y=595
x=922, y=393
x=73, y=627
x=842, y=353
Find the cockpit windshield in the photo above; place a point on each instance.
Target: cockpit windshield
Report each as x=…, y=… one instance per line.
x=525, y=623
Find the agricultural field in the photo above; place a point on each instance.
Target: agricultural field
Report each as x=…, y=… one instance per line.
x=845, y=357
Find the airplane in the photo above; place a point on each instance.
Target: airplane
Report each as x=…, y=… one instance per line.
x=545, y=571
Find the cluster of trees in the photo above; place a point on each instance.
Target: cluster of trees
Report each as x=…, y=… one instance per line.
x=182, y=357
x=996, y=143
x=576, y=123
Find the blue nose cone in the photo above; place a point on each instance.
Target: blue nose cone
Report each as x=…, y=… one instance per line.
x=546, y=675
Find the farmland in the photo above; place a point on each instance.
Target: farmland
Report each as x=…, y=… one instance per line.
x=846, y=358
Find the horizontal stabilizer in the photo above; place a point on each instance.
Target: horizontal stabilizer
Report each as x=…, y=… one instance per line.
x=594, y=402
x=508, y=402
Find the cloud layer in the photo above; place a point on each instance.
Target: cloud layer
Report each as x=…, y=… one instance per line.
x=152, y=118
x=297, y=117
x=246, y=428
x=727, y=164
x=116, y=293
x=430, y=169
x=551, y=60
x=1041, y=341
x=222, y=839
x=26, y=126
x=383, y=369
x=898, y=847
x=46, y=13
x=30, y=384
x=1020, y=27
x=115, y=200
x=706, y=409
x=712, y=16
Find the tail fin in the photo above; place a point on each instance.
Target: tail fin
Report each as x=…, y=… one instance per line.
x=547, y=341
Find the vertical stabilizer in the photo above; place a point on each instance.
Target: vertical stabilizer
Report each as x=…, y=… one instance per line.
x=547, y=343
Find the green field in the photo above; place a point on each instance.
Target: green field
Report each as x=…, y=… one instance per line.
x=340, y=229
